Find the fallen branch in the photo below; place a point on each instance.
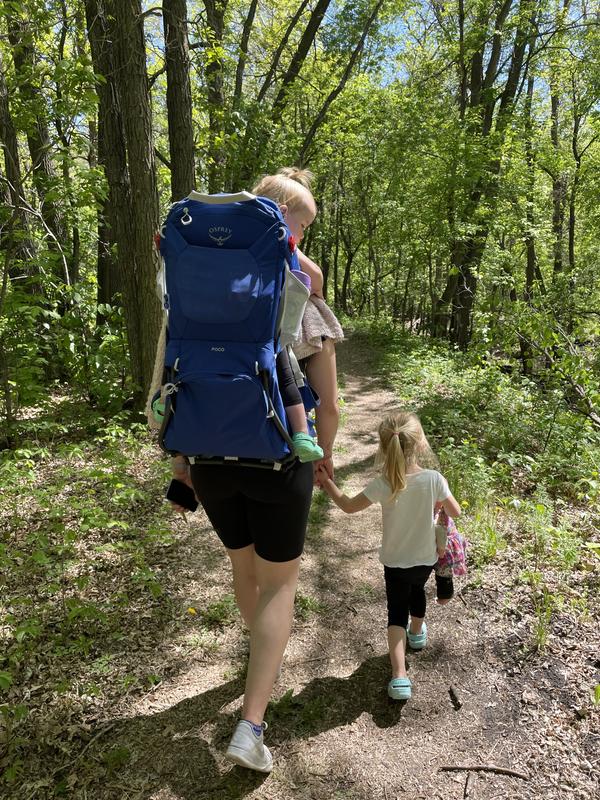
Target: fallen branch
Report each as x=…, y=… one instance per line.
x=486, y=768
x=467, y=791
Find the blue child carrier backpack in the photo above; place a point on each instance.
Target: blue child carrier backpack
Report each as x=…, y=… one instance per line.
x=226, y=259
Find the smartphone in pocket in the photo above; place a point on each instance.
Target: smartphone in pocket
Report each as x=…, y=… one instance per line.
x=180, y=493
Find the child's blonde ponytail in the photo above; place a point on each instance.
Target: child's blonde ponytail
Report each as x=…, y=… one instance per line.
x=401, y=441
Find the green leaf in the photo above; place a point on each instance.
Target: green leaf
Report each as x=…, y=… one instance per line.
x=6, y=679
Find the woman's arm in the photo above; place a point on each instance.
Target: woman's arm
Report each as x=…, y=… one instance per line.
x=314, y=273
x=348, y=504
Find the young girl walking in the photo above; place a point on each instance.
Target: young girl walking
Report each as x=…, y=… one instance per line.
x=407, y=494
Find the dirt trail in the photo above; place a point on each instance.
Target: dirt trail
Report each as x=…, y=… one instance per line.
x=333, y=731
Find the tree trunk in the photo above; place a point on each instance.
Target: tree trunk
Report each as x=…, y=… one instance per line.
x=558, y=189
x=320, y=117
x=118, y=50
x=215, y=15
x=466, y=253
x=346, y=279
x=464, y=295
x=179, y=99
x=299, y=57
x=241, y=65
x=16, y=238
x=531, y=268
x=21, y=37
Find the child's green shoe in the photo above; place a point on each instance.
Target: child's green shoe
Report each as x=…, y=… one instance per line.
x=306, y=448
x=417, y=641
x=158, y=410
x=400, y=689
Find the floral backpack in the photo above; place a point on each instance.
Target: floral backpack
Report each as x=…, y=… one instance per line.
x=454, y=560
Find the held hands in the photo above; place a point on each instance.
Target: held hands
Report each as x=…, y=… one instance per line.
x=323, y=472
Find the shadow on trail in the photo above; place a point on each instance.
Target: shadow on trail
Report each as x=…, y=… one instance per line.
x=175, y=748
x=331, y=702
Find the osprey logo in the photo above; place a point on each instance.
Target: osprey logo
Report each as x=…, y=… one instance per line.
x=220, y=234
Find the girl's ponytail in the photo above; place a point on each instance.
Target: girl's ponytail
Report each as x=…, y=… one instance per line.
x=401, y=440
x=394, y=463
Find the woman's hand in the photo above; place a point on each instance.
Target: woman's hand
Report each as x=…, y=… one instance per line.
x=180, y=470
x=324, y=469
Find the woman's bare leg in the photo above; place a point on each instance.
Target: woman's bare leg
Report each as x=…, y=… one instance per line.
x=245, y=585
x=269, y=631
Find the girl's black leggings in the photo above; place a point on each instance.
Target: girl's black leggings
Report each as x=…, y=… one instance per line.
x=405, y=591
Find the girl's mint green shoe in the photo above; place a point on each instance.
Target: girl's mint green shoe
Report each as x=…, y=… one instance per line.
x=400, y=689
x=417, y=640
x=306, y=448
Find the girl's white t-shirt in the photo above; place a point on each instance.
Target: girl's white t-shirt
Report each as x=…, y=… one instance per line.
x=408, y=525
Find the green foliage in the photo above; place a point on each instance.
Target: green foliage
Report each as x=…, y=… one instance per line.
x=305, y=606
x=483, y=531
x=223, y=612
x=83, y=529
x=495, y=434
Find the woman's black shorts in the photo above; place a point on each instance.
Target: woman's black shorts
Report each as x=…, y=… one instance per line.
x=249, y=505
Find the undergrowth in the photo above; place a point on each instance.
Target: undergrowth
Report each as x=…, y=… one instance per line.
x=86, y=534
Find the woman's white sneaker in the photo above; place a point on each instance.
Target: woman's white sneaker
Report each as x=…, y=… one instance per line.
x=248, y=749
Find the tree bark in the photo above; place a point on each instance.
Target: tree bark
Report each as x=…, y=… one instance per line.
x=320, y=117
x=118, y=50
x=466, y=253
x=179, y=99
x=268, y=81
x=16, y=238
x=558, y=188
x=215, y=15
x=109, y=275
x=299, y=57
x=241, y=65
x=20, y=35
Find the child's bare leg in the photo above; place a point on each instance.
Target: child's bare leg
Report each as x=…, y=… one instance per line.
x=322, y=374
x=397, y=646
x=297, y=418
x=416, y=624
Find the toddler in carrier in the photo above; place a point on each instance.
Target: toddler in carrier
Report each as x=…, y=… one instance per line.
x=290, y=189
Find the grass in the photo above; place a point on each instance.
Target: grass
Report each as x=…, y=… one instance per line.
x=223, y=612
x=305, y=607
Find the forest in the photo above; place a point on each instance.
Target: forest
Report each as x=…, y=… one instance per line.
x=455, y=146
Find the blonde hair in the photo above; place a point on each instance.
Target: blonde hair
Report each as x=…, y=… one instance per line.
x=290, y=187
x=401, y=442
